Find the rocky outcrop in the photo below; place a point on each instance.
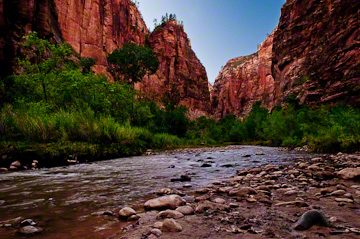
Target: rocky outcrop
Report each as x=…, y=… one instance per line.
x=93, y=28
x=243, y=81
x=316, y=53
x=181, y=75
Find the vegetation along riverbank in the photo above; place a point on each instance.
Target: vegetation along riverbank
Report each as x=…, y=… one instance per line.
x=55, y=111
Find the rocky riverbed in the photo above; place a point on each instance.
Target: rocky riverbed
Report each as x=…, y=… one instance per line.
x=262, y=202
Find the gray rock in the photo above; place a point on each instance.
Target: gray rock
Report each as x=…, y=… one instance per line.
x=310, y=218
x=30, y=230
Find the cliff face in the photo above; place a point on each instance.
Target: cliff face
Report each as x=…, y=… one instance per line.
x=243, y=81
x=93, y=28
x=316, y=53
x=181, y=75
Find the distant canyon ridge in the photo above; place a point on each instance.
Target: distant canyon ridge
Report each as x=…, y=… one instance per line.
x=313, y=54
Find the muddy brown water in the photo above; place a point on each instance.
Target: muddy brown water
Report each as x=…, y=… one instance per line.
x=61, y=200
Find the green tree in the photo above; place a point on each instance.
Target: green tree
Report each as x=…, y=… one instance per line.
x=43, y=58
x=86, y=64
x=131, y=63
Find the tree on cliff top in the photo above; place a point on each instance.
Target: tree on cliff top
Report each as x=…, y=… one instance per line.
x=130, y=63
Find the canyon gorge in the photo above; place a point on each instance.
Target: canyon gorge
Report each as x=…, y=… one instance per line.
x=313, y=54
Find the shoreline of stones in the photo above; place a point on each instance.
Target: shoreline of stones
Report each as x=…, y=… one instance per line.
x=309, y=186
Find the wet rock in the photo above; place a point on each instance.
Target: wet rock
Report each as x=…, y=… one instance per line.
x=227, y=166
x=310, y=218
x=349, y=173
x=165, y=202
x=242, y=172
x=16, y=164
x=186, y=210
x=156, y=232
x=169, y=214
x=167, y=191
x=183, y=178
x=3, y=169
x=259, y=153
x=187, y=185
x=170, y=225
x=30, y=230
x=27, y=222
x=247, y=155
x=206, y=165
x=126, y=212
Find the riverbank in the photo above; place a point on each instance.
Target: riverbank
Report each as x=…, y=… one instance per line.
x=266, y=203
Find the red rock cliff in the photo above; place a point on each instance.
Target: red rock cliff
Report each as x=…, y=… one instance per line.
x=93, y=28
x=180, y=74
x=243, y=81
x=316, y=53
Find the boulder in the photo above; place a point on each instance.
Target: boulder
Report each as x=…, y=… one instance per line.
x=349, y=173
x=165, y=202
x=170, y=225
x=127, y=212
x=186, y=210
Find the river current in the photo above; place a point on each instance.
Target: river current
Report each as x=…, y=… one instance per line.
x=63, y=200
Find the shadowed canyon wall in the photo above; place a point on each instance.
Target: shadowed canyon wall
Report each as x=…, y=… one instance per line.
x=314, y=55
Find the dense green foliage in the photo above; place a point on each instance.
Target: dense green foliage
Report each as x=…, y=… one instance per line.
x=55, y=108
x=132, y=62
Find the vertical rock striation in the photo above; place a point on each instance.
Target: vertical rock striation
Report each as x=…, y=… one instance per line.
x=316, y=54
x=181, y=75
x=94, y=28
x=243, y=81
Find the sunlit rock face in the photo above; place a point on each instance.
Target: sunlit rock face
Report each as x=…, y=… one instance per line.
x=316, y=53
x=94, y=28
x=181, y=73
x=243, y=81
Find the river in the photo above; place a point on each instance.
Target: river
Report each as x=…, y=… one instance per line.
x=63, y=200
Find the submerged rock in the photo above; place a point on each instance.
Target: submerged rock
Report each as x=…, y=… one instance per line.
x=310, y=218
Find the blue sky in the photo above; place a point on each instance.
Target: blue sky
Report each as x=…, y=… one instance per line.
x=219, y=30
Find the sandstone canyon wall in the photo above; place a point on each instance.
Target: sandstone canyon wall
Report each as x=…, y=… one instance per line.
x=181, y=75
x=94, y=28
x=243, y=81
x=314, y=55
